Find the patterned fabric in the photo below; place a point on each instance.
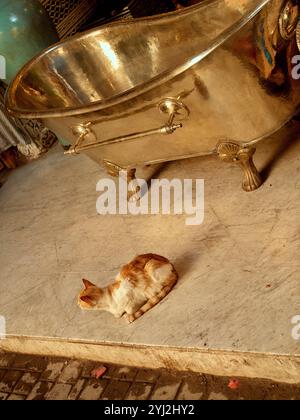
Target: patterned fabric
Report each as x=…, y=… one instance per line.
x=9, y=135
x=31, y=137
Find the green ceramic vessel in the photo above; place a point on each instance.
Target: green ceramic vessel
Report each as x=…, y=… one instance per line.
x=25, y=30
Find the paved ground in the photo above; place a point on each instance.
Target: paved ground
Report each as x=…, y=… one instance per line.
x=43, y=378
x=243, y=261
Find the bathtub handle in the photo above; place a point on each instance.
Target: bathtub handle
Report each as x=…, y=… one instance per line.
x=171, y=106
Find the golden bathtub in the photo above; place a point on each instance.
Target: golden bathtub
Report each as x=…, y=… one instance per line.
x=214, y=78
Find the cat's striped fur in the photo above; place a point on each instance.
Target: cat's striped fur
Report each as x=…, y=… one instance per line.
x=141, y=285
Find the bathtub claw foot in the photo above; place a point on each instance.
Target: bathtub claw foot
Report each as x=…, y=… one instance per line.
x=133, y=187
x=130, y=175
x=242, y=155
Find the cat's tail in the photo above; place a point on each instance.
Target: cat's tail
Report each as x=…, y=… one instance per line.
x=153, y=301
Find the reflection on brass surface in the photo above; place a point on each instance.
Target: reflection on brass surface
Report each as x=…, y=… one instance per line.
x=233, y=152
x=298, y=35
x=112, y=169
x=288, y=19
x=218, y=70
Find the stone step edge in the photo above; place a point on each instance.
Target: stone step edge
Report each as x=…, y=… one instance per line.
x=276, y=367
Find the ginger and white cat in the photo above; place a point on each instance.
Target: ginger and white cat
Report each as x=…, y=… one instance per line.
x=140, y=286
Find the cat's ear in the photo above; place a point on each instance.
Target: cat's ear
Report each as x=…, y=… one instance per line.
x=87, y=284
x=88, y=300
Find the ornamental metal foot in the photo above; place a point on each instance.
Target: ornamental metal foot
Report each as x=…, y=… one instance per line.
x=243, y=155
x=130, y=176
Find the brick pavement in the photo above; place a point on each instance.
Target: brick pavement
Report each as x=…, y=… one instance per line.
x=44, y=378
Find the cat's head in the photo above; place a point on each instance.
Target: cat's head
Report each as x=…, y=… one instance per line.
x=89, y=298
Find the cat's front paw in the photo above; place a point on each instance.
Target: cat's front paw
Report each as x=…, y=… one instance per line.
x=129, y=318
x=119, y=315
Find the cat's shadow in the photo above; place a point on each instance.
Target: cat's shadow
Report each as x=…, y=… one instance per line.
x=283, y=141
x=185, y=264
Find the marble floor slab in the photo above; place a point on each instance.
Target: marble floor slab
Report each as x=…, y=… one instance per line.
x=239, y=271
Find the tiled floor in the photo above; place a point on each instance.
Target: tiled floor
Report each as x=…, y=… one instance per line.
x=42, y=378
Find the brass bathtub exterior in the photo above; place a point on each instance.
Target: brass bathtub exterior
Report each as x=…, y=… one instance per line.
x=215, y=78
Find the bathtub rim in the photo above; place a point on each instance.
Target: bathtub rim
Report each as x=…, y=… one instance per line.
x=129, y=94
